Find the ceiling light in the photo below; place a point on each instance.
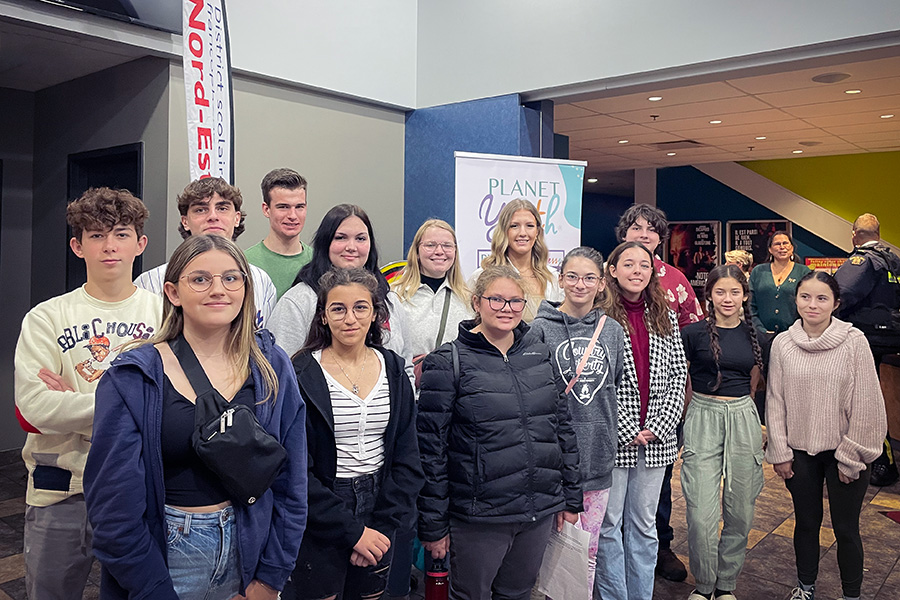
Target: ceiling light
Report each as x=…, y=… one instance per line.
x=670, y=154
x=831, y=77
x=887, y=116
x=626, y=141
x=715, y=122
x=798, y=151
x=592, y=180
x=654, y=98
x=853, y=91
x=760, y=137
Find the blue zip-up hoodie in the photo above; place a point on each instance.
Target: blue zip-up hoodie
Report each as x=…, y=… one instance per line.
x=125, y=491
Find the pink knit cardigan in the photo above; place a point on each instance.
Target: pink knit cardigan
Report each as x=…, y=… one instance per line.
x=823, y=394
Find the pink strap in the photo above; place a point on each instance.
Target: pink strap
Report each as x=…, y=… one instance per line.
x=587, y=354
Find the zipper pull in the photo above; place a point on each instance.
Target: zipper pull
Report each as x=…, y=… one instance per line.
x=230, y=416
x=222, y=422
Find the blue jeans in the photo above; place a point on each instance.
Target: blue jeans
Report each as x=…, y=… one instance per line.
x=202, y=554
x=626, y=556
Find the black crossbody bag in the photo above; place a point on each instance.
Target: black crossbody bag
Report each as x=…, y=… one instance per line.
x=228, y=439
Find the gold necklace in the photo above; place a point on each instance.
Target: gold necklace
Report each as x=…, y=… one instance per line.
x=354, y=387
x=783, y=274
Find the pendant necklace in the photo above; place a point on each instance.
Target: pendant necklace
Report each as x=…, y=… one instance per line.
x=354, y=387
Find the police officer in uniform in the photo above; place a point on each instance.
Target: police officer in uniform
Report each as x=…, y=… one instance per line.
x=870, y=299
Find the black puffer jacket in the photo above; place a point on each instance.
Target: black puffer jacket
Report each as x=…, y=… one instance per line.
x=500, y=450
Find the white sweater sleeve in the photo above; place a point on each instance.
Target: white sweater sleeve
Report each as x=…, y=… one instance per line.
x=291, y=318
x=777, y=450
x=48, y=411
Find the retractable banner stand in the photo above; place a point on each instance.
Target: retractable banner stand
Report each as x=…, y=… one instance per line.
x=486, y=182
x=207, y=86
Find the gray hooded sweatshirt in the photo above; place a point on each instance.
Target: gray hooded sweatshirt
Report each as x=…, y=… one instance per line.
x=592, y=401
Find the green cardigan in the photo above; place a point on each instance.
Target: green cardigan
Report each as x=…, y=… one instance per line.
x=773, y=307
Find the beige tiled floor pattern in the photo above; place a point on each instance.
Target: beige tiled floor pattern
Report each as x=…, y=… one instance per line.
x=769, y=572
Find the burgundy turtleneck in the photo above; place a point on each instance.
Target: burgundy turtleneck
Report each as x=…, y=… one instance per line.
x=640, y=349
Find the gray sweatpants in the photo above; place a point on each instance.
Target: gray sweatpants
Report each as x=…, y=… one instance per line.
x=57, y=550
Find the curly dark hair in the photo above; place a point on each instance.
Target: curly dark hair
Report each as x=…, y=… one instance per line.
x=101, y=209
x=199, y=190
x=717, y=274
x=654, y=216
x=320, y=334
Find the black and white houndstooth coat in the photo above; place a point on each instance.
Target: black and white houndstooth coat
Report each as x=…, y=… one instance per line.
x=668, y=370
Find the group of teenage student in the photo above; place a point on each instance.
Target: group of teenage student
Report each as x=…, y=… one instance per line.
x=482, y=445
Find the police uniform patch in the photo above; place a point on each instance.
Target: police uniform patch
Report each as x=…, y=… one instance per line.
x=857, y=260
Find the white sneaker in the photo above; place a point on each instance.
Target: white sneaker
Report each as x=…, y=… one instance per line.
x=695, y=595
x=798, y=593
x=725, y=596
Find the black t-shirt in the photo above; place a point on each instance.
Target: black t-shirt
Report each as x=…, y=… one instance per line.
x=433, y=282
x=735, y=360
x=188, y=481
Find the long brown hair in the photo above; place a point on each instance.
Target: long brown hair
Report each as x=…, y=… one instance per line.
x=724, y=272
x=656, y=314
x=241, y=344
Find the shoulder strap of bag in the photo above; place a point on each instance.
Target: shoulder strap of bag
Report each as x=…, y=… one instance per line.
x=190, y=365
x=440, y=335
x=587, y=354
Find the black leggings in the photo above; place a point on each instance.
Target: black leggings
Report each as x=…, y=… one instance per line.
x=845, y=501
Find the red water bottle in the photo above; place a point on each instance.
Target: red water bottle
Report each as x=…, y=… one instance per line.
x=437, y=581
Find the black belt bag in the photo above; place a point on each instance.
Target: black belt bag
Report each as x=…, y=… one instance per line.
x=228, y=439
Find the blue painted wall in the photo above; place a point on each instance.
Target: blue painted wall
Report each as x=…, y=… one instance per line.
x=686, y=194
x=498, y=125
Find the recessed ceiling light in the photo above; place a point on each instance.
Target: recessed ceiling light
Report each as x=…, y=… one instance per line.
x=798, y=151
x=715, y=122
x=654, y=98
x=831, y=77
x=887, y=116
x=670, y=154
x=853, y=91
x=592, y=180
x=760, y=137
x=626, y=141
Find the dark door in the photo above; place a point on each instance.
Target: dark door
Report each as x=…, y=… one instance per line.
x=119, y=167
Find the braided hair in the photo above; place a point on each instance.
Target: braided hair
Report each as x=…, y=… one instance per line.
x=724, y=272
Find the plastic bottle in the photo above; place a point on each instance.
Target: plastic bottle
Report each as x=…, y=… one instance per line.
x=437, y=581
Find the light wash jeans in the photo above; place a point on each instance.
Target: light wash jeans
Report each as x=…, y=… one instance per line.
x=722, y=450
x=202, y=554
x=626, y=556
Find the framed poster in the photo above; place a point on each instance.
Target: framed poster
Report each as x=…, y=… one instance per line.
x=695, y=248
x=820, y=263
x=753, y=236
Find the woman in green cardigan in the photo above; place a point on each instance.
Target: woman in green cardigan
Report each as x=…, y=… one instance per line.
x=773, y=287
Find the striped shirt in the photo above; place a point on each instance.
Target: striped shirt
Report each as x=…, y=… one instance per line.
x=359, y=423
x=264, y=294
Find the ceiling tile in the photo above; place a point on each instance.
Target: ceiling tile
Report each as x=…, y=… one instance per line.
x=846, y=107
x=683, y=95
x=562, y=112
x=833, y=93
x=793, y=80
x=714, y=109
x=592, y=122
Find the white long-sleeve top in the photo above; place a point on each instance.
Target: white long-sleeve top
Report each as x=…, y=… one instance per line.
x=823, y=394
x=75, y=336
x=425, y=308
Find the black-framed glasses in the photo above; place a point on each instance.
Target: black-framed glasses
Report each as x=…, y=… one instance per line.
x=338, y=312
x=200, y=281
x=589, y=280
x=497, y=303
x=433, y=246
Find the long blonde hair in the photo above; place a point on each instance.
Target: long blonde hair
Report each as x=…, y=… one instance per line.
x=409, y=281
x=500, y=242
x=241, y=344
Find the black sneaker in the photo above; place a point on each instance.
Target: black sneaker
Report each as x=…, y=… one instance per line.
x=669, y=566
x=883, y=474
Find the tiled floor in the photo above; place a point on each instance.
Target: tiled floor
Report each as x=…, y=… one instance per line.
x=769, y=571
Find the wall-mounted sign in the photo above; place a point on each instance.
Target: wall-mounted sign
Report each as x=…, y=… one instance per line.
x=753, y=236
x=695, y=248
x=821, y=263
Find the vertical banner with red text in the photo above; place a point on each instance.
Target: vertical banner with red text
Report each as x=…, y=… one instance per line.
x=207, y=86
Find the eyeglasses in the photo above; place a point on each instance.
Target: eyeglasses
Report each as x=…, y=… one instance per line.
x=432, y=246
x=338, y=312
x=589, y=280
x=497, y=303
x=200, y=281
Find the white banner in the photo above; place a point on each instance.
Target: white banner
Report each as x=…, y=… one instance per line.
x=486, y=182
x=207, y=86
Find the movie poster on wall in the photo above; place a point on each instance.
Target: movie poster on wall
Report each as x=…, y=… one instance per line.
x=753, y=236
x=486, y=182
x=694, y=247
